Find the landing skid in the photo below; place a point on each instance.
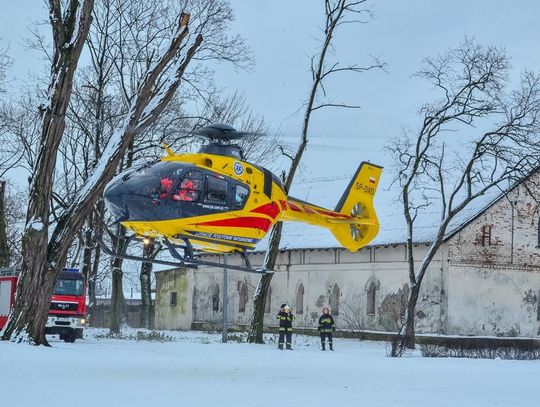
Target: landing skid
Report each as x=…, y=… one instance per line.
x=187, y=259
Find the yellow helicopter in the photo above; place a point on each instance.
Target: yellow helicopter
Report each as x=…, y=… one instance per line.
x=214, y=201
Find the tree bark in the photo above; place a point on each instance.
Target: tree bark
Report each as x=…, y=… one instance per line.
x=409, y=341
x=147, y=306
x=39, y=269
x=256, y=328
x=4, y=248
x=118, y=303
x=44, y=256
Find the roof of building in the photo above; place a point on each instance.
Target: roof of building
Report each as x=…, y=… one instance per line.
x=326, y=193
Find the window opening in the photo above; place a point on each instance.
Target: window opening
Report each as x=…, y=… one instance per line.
x=240, y=196
x=300, y=299
x=268, y=303
x=189, y=188
x=334, y=300
x=371, y=296
x=215, y=299
x=216, y=190
x=174, y=298
x=486, y=235
x=243, y=298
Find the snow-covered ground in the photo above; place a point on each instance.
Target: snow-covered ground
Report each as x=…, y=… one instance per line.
x=197, y=370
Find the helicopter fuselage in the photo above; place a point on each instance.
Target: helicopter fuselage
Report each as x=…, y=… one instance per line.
x=220, y=203
x=225, y=204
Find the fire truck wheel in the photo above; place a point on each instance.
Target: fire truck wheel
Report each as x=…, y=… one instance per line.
x=70, y=336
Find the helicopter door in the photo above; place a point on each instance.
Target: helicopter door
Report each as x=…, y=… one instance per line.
x=267, y=183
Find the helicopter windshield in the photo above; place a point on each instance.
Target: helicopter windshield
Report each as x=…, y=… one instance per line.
x=164, y=177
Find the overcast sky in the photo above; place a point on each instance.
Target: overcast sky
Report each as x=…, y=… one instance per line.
x=284, y=34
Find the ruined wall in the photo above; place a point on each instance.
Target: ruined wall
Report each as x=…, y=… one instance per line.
x=494, y=279
x=514, y=237
x=322, y=274
x=493, y=301
x=177, y=315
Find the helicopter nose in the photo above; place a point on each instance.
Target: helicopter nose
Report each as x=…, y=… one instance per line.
x=115, y=199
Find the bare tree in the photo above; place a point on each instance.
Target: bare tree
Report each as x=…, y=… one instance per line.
x=434, y=171
x=5, y=63
x=44, y=253
x=124, y=40
x=138, y=31
x=337, y=13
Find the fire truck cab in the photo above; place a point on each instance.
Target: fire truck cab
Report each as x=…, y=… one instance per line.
x=67, y=313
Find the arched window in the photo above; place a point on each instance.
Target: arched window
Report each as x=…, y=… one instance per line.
x=194, y=300
x=268, y=303
x=334, y=300
x=215, y=298
x=371, y=297
x=243, y=297
x=300, y=299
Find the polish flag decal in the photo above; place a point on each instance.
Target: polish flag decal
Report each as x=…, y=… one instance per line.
x=372, y=180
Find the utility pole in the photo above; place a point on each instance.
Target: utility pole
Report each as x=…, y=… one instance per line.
x=225, y=301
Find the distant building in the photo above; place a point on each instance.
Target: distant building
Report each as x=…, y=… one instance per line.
x=485, y=279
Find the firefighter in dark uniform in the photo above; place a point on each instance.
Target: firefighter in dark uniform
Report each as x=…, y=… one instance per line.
x=326, y=327
x=286, y=318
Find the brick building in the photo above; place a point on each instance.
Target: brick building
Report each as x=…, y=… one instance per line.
x=485, y=280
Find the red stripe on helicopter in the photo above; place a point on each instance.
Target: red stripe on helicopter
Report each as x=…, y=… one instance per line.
x=271, y=209
x=310, y=210
x=243, y=222
x=294, y=207
x=332, y=214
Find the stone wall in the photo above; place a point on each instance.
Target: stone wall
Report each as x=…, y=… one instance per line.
x=173, y=307
x=330, y=277
x=494, y=278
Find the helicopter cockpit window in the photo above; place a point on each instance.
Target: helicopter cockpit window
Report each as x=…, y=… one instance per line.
x=240, y=196
x=158, y=179
x=190, y=187
x=216, y=190
x=165, y=187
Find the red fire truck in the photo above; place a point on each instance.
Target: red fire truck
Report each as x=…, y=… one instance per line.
x=67, y=314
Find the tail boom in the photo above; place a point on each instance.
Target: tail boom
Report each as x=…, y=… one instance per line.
x=354, y=222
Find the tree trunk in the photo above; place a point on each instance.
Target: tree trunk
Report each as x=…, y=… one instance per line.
x=44, y=255
x=409, y=339
x=256, y=328
x=35, y=308
x=92, y=292
x=87, y=258
x=40, y=263
x=117, y=297
x=4, y=248
x=405, y=337
x=147, y=307
x=118, y=305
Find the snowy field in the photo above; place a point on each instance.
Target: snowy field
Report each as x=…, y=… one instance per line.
x=197, y=370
